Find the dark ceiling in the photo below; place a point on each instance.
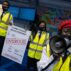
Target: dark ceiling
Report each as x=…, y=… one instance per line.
x=64, y=4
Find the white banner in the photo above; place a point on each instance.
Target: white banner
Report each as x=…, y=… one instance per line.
x=15, y=43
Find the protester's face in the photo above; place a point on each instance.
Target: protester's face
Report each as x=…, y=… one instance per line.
x=42, y=26
x=67, y=32
x=5, y=6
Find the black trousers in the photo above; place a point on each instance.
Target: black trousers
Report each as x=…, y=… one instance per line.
x=1, y=44
x=32, y=63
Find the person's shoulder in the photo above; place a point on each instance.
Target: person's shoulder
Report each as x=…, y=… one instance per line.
x=46, y=32
x=9, y=13
x=11, y=16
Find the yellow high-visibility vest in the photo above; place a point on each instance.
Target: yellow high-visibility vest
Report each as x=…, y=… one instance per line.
x=48, y=50
x=67, y=64
x=60, y=66
x=36, y=46
x=57, y=66
x=7, y=17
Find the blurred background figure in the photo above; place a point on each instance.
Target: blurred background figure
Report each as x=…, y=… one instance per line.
x=5, y=19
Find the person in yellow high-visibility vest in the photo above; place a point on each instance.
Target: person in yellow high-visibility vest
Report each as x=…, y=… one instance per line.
x=60, y=46
x=6, y=19
x=64, y=64
x=38, y=40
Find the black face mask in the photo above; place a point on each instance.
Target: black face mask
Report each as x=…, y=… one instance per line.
x=5, y=8
x=41, y=28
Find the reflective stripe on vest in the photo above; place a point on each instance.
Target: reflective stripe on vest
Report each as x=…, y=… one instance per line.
x=48, y=50
x=3, y=23
x=35, y=50
x=36, y=46
x=37, y=43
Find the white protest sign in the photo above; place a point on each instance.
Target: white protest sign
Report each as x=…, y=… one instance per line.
x=15, y=43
